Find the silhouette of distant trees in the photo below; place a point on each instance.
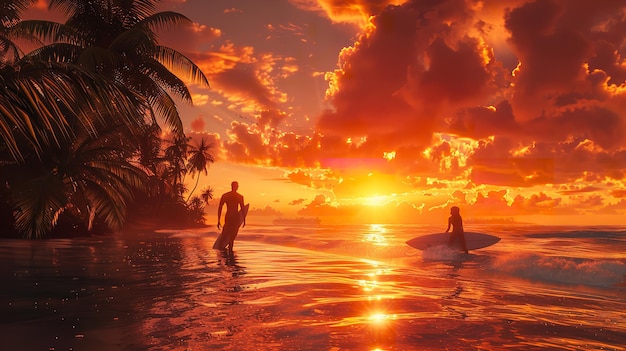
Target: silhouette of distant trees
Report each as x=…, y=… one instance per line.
x=82, y=146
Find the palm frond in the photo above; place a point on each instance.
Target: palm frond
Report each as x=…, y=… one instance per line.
x=42, y=102
x=9, y=51
x=10, y=10
x=165, y=20
x=39, y=29
x=143, y=8
x=67, y=7
x=103, y=179
x=109, y=188
x=165, y=106
x=134, y=40
x=57, y=52
x=36, y=203
x=98, y=59
x=177, y=62
x=154, y=70
x=10, y=17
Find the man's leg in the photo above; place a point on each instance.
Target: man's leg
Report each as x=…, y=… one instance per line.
x=230, y=245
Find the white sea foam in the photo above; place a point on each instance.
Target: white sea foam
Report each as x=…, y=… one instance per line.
x=562, y=269
x=197, y=233
x=441, y=253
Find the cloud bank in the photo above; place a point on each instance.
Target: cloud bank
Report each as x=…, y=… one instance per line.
x=455, y=95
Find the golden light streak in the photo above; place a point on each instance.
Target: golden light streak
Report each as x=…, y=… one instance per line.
x=427, y=152
x=516, y=70
x=368, y=285
x=486, y=52
x=389, y=155
x=356, y=141
x=379, y=318
x=525, y=150
x=200, y=99
x=376, y=236
x=376, y=200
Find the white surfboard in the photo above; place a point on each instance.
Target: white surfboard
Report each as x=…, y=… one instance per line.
x=243, y=213
x=473, y=240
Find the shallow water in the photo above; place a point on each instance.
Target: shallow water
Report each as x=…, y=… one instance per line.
x=323, y=288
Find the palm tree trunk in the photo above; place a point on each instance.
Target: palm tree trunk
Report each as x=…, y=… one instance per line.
x=194, y=187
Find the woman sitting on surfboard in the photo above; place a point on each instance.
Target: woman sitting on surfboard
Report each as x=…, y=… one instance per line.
x=456, y=222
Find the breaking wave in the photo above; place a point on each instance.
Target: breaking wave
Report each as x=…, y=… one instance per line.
x=565, y=270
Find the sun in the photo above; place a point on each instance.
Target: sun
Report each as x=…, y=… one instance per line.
x=376, y=200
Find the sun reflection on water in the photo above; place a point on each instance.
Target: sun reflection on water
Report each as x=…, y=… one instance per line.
x=376, y=235
x=368, y=285
x=380, y=318
x=322, y=291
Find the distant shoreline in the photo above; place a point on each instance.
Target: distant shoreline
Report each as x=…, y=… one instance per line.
x=297, y=221
x=495, y=220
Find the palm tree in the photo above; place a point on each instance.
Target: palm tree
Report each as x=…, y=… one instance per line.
x=196, y=209
x=118, y=38
x=199, y=159
x=72, y=112
x=176, y=156
x=44, y=103
x=197, y=204
x=90, y=180
x=41, y=100
x=150, y=146
x=49, y=112
x=207, y=194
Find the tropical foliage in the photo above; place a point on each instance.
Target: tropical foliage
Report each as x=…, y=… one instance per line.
x=79, y=119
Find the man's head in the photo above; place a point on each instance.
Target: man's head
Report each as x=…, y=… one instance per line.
x=234, y=186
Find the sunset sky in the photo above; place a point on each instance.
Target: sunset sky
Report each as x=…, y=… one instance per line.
x=391, y=111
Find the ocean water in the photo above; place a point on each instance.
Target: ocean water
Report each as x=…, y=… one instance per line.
x=316, y=288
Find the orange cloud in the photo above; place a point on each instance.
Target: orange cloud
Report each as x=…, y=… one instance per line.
x=350, y=11
x=189, y=39
x=488, y=205
x=297, y=202
x=407, y=78
x=249, y=81
x=444, y=99
x=197, y=125
x=619, y=193
x=618, y=208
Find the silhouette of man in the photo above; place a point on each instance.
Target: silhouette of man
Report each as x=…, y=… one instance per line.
x=232, y=220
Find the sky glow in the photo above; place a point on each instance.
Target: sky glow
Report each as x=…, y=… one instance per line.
x=329, y=108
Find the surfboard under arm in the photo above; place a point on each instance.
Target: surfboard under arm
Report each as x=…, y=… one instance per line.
x=243, y=213
x=222, y=240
